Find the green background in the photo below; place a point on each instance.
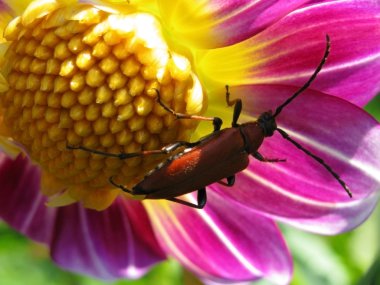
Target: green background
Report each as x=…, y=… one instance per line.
x=347, y=259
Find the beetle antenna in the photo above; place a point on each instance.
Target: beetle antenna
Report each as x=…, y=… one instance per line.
x=311, y=79
x=318, y=159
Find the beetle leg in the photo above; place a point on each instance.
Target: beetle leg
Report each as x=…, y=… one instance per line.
x=216, y=121
x=237, y=103
x=119, y=186
x=165, y=150
x=259, y=157
x=230, y=181
x=201, y=199
x=172, y=147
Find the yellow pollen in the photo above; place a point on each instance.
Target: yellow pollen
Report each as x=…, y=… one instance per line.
x=143, y=105
x=75, y=44
x=130, y=67
x=92, y=112
x=95, y=77
x=85, y=60
x=117, y=80
x=78, y=82
x=103, y=94
x=86, y=96
x=125, y=112
x=81, y=76
x=109, y=64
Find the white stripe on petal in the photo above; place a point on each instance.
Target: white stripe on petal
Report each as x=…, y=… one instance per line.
x=164, y=234
x=228, y=244
x=368, y=169
x=302, y=199
x=91, y=246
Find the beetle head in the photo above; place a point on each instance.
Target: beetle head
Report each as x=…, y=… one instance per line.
x=267, y=123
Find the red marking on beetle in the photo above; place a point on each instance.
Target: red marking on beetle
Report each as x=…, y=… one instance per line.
x=177, y=167
x=220, y=155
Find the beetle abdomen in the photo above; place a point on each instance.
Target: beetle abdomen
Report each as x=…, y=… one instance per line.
x=197, y=168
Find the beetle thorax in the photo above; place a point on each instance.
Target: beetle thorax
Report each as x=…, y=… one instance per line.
x=267, y=123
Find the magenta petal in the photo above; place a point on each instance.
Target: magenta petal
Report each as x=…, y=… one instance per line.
x=296, y=45
x=239, y=20
x=21, y=204
x=300, y=191
x=223, y=242
x=115, y=243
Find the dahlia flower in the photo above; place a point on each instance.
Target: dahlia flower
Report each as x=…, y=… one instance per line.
x=84, y=73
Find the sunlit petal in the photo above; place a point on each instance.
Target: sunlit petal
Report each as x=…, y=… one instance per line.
x=289, y=51
x=239, y=244
x=215, y=23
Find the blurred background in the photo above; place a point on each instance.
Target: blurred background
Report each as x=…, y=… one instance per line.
x=348, y=259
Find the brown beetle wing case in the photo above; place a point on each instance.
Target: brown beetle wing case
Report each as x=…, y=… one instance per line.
x=218, y=157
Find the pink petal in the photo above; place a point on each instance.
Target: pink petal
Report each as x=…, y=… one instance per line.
x=223, y=242
x=21, y=204
x=115, y=243
x=300, y=191
x=288, y=52
x=216, y=23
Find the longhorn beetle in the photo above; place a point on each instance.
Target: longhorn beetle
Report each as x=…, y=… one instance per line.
x=219, y=155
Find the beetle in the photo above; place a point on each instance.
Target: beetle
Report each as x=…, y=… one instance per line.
x=220, y=155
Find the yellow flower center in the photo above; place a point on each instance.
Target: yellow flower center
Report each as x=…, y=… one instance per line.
x=83, y=76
